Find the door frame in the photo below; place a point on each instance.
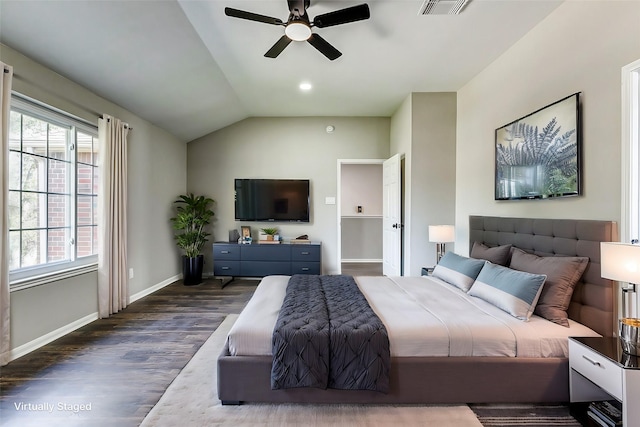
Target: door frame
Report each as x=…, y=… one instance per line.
x=342, y=162
x=630, y=155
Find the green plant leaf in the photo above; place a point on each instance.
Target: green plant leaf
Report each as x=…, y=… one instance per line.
x=192, y=216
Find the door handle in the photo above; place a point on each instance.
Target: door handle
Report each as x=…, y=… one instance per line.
x=396, y=225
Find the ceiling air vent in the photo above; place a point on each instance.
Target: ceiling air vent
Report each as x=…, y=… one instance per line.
x=442, y=7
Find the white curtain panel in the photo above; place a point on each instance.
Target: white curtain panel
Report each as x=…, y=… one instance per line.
x=5, y=314
x=113, y=284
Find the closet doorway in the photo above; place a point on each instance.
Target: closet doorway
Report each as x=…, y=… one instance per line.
x=360, y=220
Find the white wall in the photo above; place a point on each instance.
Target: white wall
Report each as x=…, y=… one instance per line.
x=295, y=148
x=361, y=185
x=580, y=47
x=157, y=174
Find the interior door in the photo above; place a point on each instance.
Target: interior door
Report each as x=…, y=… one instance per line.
x=391, y=217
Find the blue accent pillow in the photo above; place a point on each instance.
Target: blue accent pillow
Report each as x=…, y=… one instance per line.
x=515, y=292
x=458, y=270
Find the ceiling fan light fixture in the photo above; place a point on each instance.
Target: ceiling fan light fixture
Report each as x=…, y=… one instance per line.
x=298, y=31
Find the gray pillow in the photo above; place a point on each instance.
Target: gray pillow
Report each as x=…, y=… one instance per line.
x=563, y=273
x=515, y=292
x=497, y=255
x=458, y=270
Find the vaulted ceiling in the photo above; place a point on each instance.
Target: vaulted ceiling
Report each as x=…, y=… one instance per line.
x=190, y=69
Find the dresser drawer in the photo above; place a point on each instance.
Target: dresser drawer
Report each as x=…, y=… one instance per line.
x=264, y=268
x=597, y=368
x=305, y=253
x=226, y=268
x=226, y=252
x=265, y=253
x=300, y=267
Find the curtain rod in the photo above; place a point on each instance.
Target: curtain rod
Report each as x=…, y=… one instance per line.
x=125, y=124
x=93, y=113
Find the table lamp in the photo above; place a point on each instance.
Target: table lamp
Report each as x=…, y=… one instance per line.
x=621, y=262
x=440, y=235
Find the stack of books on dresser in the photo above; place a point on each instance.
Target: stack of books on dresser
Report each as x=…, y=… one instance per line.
x=299, y=241
x=605, y=414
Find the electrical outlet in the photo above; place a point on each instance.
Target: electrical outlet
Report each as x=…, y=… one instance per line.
x=131, y=273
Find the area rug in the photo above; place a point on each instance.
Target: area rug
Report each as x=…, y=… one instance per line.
x=192, y=400
x=524, y=415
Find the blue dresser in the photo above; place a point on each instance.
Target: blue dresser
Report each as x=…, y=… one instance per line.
x=259, y=260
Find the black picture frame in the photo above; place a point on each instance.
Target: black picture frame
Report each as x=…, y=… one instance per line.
x=538, y=156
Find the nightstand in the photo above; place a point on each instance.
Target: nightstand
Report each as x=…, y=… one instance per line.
x=427, y=271
x=600, y=370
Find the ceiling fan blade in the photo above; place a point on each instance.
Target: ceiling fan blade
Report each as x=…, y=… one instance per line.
x=324, y=47
x=342, y=16
x=235, y=13
x=277, y=48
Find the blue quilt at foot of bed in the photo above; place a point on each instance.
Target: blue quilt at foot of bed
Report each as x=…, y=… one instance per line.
x=327, y=336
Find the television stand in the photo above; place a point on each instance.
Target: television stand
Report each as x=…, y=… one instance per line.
x=231, y=260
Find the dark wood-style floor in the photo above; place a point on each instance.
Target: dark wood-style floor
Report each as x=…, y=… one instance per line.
x=362, y=268
x=119, y=367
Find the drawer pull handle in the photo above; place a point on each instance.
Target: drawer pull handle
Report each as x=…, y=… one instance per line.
x=593, y=362
x=224, y=252
x=304, y=253
x=305, y=268
x=225, y=268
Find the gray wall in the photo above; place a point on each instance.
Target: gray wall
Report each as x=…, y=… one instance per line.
x=580, y=47
x=424, y=130
x=284, y=148
x=157, y=174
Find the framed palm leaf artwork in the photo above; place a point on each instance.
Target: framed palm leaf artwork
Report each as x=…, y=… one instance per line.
x=538, y=155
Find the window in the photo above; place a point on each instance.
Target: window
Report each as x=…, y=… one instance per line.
x=53, y=187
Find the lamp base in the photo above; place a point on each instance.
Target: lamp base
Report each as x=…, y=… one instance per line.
x=439, y=251
x=629, y=333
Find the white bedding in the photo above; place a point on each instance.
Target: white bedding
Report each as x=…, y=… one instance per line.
x=424, y=316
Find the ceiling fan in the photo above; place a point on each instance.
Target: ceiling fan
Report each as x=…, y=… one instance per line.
x=298, y=26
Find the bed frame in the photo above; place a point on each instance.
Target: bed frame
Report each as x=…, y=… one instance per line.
x=466, y=379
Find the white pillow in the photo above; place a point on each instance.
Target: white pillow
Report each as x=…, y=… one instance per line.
x=515, y=292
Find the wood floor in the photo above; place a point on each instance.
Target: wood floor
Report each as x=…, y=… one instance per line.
x=362, y=268
x=119, y=367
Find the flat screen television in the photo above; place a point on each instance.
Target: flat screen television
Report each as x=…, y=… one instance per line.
x=538, y=156
x=272, y=200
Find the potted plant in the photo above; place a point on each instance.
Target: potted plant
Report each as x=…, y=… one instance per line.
x=270, y=232
x=192, y=215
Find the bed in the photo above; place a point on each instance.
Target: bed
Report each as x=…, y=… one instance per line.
x=471, y=375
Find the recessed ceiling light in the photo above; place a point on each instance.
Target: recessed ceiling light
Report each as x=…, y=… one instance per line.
x=305, y=86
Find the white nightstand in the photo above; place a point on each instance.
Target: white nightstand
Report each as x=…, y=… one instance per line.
x=600, y=370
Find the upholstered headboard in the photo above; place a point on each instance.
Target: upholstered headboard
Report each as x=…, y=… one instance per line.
x=593, y=303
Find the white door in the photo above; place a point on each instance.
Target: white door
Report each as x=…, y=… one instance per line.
x=391, y=217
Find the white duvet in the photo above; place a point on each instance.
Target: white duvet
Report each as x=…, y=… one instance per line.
x=424, y=316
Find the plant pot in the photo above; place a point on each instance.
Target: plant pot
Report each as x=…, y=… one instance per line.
x=192, y=270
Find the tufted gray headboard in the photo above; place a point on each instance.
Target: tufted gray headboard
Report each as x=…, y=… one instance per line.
x=593, y=303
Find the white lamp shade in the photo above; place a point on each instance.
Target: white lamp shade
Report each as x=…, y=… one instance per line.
x=442, y=233
x=620, y=261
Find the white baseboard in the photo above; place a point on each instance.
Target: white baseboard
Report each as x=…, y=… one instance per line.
x=51, y=336
x=64, y=330
x=152, y=289
x=360, y=260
